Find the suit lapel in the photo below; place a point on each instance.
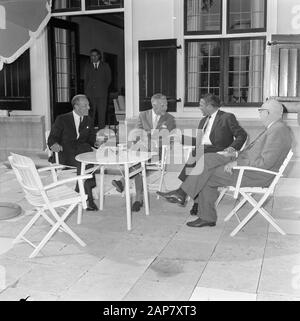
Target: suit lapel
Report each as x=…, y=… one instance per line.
x=202, y=122
x=215, y=124
x=72, y=123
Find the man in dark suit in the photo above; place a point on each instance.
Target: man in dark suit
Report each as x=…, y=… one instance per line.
x=217, y=131
x=97, y=78
x=72, y=134
x=214, y=170
x=156, y=119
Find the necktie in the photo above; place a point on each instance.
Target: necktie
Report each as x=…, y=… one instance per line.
x=155, y=121
x=206, y=124
x=95, y=66
x=80, y=125
x=254, y=141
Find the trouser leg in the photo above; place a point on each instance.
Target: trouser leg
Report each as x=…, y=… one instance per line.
x=101, y=110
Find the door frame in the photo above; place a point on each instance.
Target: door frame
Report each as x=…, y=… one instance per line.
x=60, y=23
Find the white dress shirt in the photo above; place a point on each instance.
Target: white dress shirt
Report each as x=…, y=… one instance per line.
x=77, y=120
x=96, y=65
x=155, y=119
x=207, y=129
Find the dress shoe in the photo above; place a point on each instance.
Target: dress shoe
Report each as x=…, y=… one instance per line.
x=174, y=197
x=200, y=223
x=136, y=206
x=118, y=185
x=91, y=206
x=194, y=209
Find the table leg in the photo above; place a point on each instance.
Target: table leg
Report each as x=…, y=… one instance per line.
x=127, y=192
x=82, y=192
x=101, y=188
x=145, y=188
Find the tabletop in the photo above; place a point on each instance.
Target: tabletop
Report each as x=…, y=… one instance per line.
x=113, y=156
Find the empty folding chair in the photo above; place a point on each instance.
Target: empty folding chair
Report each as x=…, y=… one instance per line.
x=47, y=199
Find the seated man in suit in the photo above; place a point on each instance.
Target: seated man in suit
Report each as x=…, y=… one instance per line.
x=72, y=134
x=155, y=118
x=214, y=170
x=219, y=131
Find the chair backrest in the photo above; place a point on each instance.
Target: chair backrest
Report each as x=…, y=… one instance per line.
x=116, y=105
x=121, y=102
x=245, y=143
x=281, y=170
x=28, y=177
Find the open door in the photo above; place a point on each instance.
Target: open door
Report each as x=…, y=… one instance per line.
x=158, y=71
x=64, y=65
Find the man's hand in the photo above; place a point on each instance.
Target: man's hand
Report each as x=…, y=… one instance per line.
x=56, y=148
x=228, y=167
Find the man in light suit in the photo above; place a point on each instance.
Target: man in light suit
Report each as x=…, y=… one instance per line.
x=267, y=151
x=97, y=78
x=219, y=131
x=72, y=134
x=155, y=118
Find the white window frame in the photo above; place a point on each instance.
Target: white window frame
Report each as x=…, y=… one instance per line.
x=271, y=27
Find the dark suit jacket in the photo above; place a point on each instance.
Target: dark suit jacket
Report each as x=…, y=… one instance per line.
x=96, y=81
x=225, y=132
x=64, y=133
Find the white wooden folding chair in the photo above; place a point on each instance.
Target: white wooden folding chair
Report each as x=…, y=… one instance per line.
x=248, y=192
x=224, y=190
x=47, y=199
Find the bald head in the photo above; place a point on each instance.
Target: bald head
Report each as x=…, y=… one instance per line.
x=270, y=111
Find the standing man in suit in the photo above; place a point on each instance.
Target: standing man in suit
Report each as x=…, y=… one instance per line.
x=267, y=151
x=156, y=118
x=72, y=134
x=219, y=131
x=97, y=78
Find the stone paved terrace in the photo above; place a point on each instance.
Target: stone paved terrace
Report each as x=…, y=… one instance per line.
x=160, y=258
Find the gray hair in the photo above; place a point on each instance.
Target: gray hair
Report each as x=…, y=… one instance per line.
x=76, y=99
x=211, y=99
x=158, y=97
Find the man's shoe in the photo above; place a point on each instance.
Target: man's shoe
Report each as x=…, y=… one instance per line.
x=200, y=223
x=173, y=197
x=136, y=206
x=91, y=206
x=194, y=210
x=118, y=185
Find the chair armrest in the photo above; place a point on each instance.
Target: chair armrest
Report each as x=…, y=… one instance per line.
x=50, y=168
x=256, y=169
x=68, y=180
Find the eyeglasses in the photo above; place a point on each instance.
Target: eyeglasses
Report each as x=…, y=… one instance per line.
x=262, y=109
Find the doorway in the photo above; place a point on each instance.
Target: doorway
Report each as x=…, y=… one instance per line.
x=104, y=32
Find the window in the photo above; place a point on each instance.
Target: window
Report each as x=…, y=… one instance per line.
x=285, y=66
x=15, y=90
x=104, y=4
x=66, y=5
x=203, y=17
x=75, y=5
x=232, y=68
x=246, y=15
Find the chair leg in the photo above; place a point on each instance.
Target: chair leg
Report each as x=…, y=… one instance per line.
x=222, y=193
x=127, y=193
x=257, y=207
x=146, y=199
x=236, y=208
x=58, y=224
x=79, y=215
x=161, y=181
x=27, y=227
x=101, y=186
